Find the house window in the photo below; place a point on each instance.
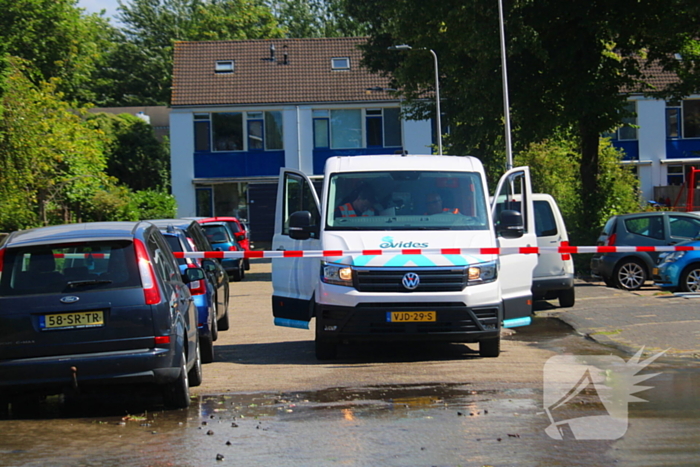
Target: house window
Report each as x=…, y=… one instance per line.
x=263, y=131
x=675, y=175
x=691, y=118
x=340, y=63
x=673, y=120
x=202, y=127
x=224, y=66
x=628, y=130
x=227, y=131
x=343, y=129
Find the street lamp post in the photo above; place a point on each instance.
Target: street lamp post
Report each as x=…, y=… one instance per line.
x=506, y=104
x=437, y=89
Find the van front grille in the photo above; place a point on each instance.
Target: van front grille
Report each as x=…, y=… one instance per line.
x=439, y=279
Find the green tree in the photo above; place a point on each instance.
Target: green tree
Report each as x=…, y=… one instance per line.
x=51, y=162
x=134, y=155
x=57, y=40
x=568, y=63
x=139, y=67
x=316, y=18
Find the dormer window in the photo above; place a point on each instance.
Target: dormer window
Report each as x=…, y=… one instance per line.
x=340, y=63
x=224, y=66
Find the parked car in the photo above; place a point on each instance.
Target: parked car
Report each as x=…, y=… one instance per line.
x=203, y=292
x=679, y=270
x=553, y=276
x=220, y=236
x=240, y=232
x=631, y=270
x=219, y=276
x=84, y=305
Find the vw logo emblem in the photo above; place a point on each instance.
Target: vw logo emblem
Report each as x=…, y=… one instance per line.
x=410, y=280
x=69, y=299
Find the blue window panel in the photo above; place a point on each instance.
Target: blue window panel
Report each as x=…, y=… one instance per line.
x=683, y=148
x=238, y=164
x=630, y=148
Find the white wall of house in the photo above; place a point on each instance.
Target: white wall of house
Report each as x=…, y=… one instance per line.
x=651, y=118
x=181, y=163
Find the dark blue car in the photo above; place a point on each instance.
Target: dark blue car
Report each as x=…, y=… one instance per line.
x=95, y=304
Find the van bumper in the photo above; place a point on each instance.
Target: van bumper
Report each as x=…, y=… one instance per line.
x=542, y=286
x=454, y=322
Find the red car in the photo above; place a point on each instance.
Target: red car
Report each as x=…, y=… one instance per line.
x=240, y=231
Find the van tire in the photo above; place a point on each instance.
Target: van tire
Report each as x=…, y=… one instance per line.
x=490, y=348
x=326, y=350
x=567, y=298
x=629, y=274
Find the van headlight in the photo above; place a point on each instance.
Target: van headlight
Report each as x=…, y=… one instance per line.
x=337, y=274
x=482, y=272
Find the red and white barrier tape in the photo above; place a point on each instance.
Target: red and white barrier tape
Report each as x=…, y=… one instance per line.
x=433, y=251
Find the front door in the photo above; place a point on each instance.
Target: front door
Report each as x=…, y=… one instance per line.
x=514, y=192
x=294, y=279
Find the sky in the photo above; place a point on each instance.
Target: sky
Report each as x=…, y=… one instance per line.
x=95, y=6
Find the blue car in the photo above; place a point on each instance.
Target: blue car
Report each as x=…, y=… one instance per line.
x=203, y=293
x=679, y=270
x=222, y=238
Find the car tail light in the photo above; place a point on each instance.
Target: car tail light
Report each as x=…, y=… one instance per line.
x=196, y=287
x=160, y=340
x=611, y=240
x=565, y=256
x=148, y=277
x=233, y=248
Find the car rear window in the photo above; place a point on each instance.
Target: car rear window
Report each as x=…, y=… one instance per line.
x=216, y=233
x=78, y=267
x=175, y=245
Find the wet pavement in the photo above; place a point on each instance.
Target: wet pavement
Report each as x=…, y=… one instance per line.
x=267, y=402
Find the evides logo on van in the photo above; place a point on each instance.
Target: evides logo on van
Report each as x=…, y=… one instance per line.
x=388, y=242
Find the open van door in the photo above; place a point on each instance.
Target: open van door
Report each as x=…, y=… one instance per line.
x=514, y=193
x=294, y=279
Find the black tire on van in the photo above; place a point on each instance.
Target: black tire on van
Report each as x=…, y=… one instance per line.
x=490, y=348
x=567, y=298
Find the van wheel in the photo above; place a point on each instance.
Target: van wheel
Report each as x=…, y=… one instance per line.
x=490, y=347
x=629, y=274
x=176, y=395
x=567, y=298
x=195, y=374
x=690, y=279
x=326, y=350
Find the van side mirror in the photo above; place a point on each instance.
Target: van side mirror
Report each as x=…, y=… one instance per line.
x=510, y=224
x=301, y=227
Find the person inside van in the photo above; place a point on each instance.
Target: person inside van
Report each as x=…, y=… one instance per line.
x=361, y=204
x=433, y=204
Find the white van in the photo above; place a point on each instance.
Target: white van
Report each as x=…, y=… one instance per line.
x=553, y=276
x=392, y=265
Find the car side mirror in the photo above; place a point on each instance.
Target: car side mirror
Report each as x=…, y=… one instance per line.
x=208, y=265
x=510, y=224
x=193, y=274
x=301, y=227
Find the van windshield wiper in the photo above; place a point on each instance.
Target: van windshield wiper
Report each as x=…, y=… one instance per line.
x=88, y=282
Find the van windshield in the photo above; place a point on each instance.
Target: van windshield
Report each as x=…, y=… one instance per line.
x=406, y=200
